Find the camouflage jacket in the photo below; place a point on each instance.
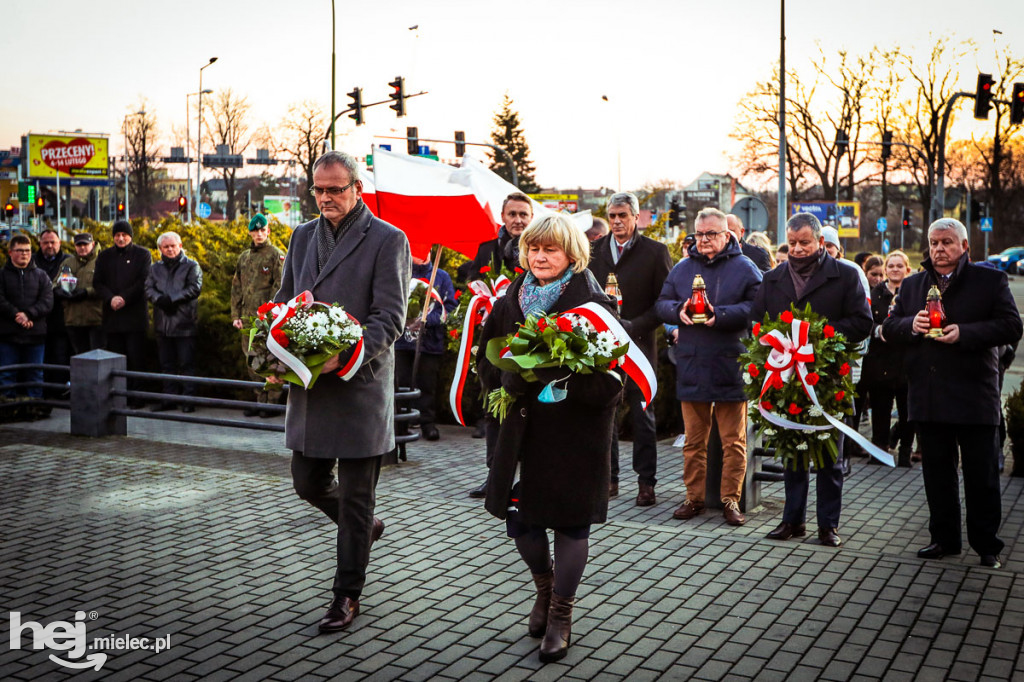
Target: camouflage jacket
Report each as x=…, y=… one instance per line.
x=88, y=311
x=257, y=278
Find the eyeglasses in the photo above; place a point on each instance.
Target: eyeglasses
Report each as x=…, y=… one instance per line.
x=708, y=235
x=20, y=251
x=330, y=191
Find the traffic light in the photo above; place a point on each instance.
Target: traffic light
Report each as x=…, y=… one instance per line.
x=674, y=210
x=120, y=209
x=412, y=134
x=182, y=203
x=906, y=218
x=398, y=95
x=9, y=210
x=40, y=205
x=460, y=144
x=983, y=96
x=886, y=145
x=1017, y=104
x=842, y=141
x=356, y=106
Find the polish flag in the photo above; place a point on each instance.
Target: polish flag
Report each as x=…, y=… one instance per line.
x=430, y=201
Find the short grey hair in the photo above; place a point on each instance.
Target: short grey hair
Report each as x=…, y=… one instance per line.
x=801, y=220
x=338, y=158
x=709, y=212
x=949, y=224
x=165, y=236
x=625, y=199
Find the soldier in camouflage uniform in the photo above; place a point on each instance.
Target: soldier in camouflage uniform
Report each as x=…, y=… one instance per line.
x=257, y=278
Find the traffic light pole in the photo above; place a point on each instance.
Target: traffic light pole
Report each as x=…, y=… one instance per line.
x=330, y=129
x=939, y=196
x=511, y=162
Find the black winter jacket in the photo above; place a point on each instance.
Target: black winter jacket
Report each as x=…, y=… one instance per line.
x=122, y=272
x=180, y=280
x=24, y=290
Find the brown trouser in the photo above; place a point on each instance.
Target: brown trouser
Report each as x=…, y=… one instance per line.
x=262, y=396
x=732, y=427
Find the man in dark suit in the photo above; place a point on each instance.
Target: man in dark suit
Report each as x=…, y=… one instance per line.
x=953, y=394
x=349, y=257
x=834, y=292
x=640, y=265
x=761, y=258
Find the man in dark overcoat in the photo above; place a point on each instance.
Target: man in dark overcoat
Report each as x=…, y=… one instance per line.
x=347, y=256
x=640, y=265
x=953, y=394
x=836, y=293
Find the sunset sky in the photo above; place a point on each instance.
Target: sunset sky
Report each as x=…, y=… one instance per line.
x=673, y=71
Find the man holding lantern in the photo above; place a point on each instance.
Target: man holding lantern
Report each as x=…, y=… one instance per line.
x=835, y=292
x=954, y=316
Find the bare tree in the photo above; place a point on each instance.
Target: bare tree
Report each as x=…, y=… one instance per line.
x=142, y=153
x=227, y=121
x=302, y=135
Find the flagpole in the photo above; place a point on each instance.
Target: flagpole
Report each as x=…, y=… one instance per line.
x=426, y=309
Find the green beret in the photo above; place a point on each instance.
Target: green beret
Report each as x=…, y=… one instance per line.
x=258, y=222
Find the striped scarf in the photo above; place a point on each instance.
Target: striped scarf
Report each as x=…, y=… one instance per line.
x=327, y=238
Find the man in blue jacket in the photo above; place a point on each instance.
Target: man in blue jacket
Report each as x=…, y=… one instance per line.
x=953, y=394
x=709, y=381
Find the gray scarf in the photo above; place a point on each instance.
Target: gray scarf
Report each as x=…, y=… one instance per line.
x=327, y=238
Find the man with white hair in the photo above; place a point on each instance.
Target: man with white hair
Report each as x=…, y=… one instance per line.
x=953, y=395
x=173, y=287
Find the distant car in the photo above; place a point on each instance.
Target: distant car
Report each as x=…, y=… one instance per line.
x=1007, y=260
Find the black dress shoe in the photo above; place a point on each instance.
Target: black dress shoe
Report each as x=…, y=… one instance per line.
x=936, y=551
x=188, y=409
x=991, y=561
x=480, y=492
x=250, y=412
x=339, y=616
x=786, y=531
x=377, y=530
x=480, y=430
x=267, y=414
x=162, y=406
x=829, y=537
x=430, y=432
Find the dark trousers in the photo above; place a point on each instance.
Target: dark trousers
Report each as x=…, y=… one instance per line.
x=976, y=447
x=130, y=345
x=177, y=356
x=56, y=352
x=349, y=501
x=882, y=397
x=645, y=439
x=828, y=486
x=85, y=339
x=426, y=380
x=21, y=354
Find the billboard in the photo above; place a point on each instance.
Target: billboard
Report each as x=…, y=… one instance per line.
x=843, y=215
x=74, y=156
x=285, y=209
x=558, y=202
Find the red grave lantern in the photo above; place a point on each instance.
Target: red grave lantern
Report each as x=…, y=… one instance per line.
x=936, y=314
x=697, y=305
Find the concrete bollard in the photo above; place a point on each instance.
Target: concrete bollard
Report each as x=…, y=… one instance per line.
x=92, y=385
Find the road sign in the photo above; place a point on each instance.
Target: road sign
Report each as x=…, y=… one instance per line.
x=204, y=210
x=882, y=224
x=885, y=246
x=752, y=212
x=985, y=225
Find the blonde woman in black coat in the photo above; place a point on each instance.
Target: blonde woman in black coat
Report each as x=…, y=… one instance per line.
x=561, y=449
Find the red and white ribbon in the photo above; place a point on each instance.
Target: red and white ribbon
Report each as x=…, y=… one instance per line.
x=280, y=313
x=480, y=306
x=790, y=355
x=634, y=363
x=418, y=282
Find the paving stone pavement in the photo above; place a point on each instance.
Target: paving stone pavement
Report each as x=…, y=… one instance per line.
x=194, y=532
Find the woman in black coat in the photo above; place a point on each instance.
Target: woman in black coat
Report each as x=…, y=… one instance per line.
x=561, y=449
x=883, y=376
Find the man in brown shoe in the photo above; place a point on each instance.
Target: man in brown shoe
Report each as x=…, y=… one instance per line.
x=709, y=380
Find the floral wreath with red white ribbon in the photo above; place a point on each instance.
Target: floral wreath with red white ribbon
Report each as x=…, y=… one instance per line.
x=797, y=378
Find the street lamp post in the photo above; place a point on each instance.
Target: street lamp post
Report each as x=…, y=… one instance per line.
x=199, y=136
x=188, y=148
x=124, y=129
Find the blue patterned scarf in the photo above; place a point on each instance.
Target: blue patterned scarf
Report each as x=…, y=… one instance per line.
x=535, y=299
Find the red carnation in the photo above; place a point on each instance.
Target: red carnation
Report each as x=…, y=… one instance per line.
x=777, y=382
x=519, y=271
x=812, y=379
x=453, y=333
x=458, y=292
x=485, y=269
x=786, y=317
x=840, y=395
x=542, y=324
x=264, y=309
x=757, y=329
x=752, y=370
x=844, y=370
x=766, y=405
x=829, y=331
x=613, y=364
x=564, y=325
x=795, y=409
x=280, y=337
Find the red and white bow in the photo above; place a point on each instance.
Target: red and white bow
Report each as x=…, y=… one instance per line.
x=485, y=295
x=419, y=282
